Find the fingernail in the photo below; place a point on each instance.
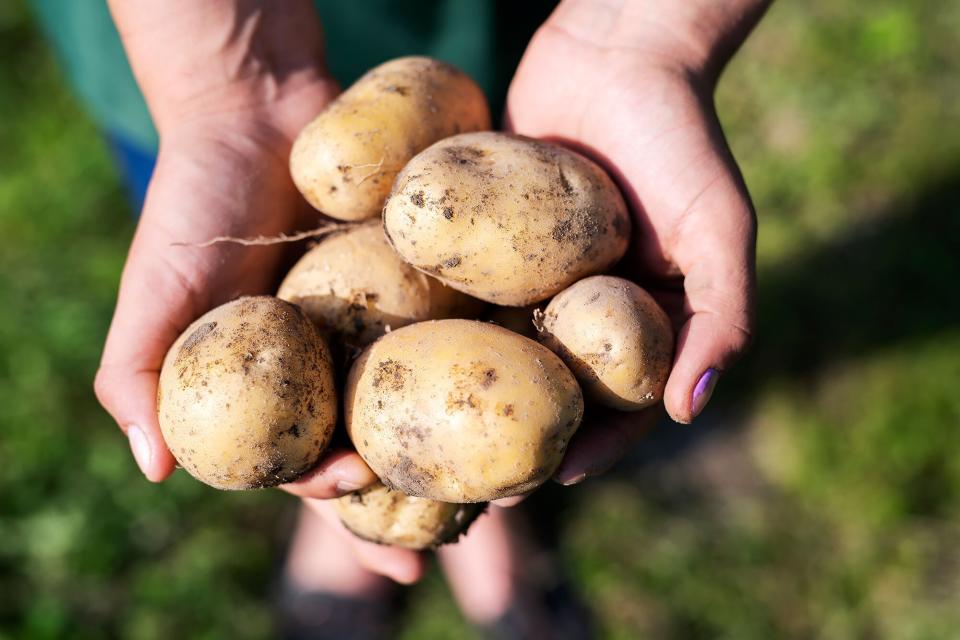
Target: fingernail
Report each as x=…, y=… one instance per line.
x=703, y=390
x=352, y=475
x=347, y=486
x=142, y=452
x=570, y=478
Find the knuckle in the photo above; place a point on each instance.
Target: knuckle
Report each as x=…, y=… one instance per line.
x=741, y=338
x=103, y=388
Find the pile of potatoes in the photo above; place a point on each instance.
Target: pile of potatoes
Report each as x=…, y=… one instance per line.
x=423, y=316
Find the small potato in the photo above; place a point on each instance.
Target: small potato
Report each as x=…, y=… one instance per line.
x=507, y=219
x=614, y=337
x=246, y=396
x=385, y=516
x=461, y=411
x=355, y=287
x=345, y=160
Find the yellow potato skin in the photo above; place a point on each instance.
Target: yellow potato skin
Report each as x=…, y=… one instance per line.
x=461, y=411
x=355, y=287
x=614, y=337
x=345, y=160
x=246, y=396
x=382, y=515
x=505, y=218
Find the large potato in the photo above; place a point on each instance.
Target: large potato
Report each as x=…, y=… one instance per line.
x=355, y=287
x=345, y=160
x=385, y=516
x=246, y=396
x=461, y=410
x=505, y=218
x=614, y=337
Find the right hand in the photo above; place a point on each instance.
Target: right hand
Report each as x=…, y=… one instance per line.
x=229, y=85
x=214, y=176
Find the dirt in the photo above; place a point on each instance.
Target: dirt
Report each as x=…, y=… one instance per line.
x=464, y=155
x=196, y=337
x=406, y=476
x=390, y=374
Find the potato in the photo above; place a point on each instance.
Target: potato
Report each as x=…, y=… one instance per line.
x=461, y=411
x=614, y=337
x=355, y=287
x=246, y=396
x=381, y=515
x=504, y=218
x=345, y=160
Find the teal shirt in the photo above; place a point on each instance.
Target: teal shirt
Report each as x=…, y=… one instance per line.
x=485, y=38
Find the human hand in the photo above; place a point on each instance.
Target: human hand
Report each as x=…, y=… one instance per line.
x=630, y=84
x=222, y=171
x=396, y=563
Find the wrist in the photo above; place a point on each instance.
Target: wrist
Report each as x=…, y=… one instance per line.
x=259, y=110
x=696, y=37
x=224, y=58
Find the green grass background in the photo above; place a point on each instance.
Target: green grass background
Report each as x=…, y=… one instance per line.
x=821, y=497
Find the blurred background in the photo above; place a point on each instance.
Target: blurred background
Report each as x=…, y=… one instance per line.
x=819, y=496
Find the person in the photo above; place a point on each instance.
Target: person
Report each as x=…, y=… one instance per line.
x=229, y=83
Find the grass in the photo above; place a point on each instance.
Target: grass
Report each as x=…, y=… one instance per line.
x=820, y=498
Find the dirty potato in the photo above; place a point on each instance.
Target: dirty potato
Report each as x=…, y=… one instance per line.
x=505, y=218
x=246, y=396
x=355, y=287
x=345, y=160
x=385, y=516
x=461, y=411
x=614, y=337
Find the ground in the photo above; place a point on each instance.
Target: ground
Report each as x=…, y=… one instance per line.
x=819, y=497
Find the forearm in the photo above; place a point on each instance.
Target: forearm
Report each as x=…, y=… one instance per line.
x=699, y=35
x=219, y=56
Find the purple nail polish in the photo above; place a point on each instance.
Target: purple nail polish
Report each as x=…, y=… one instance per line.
x=703, y=390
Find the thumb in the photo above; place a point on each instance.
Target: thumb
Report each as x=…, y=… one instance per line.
x=715, y=252
x=165, y=288
x=126, y=382
x=399, y=564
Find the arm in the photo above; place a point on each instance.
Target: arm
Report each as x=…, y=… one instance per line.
x=698, y=36
x=630, y=82
x=234, y=58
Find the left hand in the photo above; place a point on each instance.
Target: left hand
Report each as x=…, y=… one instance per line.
x=638, y=99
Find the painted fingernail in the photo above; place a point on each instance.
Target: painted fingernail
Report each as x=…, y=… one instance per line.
x=703, y=390
x=140, y=445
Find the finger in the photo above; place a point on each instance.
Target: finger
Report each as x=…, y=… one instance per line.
x=338, y=473
x=716, y=256
x=512, y=501
x=126, y=383
x=164, y=288
x=482, y=566
x=129, y=398
x=601, y=443
x=400, y=565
